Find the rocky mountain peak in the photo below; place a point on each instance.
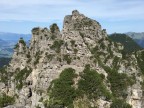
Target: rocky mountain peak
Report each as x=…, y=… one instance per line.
x=88, y=28
x=19, y=57
x=54, y=28
x=73, y=67
x=75, y=13
x=20, y=47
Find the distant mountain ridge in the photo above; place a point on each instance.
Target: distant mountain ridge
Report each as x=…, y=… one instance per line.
x=8, y=41
x=138, y=37
x=129, y=44
x=135, y=35
x=14, y=36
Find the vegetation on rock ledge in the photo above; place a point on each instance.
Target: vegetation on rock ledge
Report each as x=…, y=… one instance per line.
x=21, y=76
x=6, y=100
x=63, y=92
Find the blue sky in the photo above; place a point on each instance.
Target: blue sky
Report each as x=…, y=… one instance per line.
x=20, y=16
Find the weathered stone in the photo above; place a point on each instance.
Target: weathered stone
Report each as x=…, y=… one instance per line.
x=51, y=51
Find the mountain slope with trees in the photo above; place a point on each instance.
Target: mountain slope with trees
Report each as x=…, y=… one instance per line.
x=129, y=44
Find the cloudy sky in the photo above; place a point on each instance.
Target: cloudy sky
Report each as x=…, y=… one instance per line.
x=20, y=16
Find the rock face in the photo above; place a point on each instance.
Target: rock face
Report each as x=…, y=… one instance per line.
x=82, y=41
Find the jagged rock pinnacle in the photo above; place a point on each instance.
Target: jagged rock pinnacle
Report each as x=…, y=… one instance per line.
x=75, y=12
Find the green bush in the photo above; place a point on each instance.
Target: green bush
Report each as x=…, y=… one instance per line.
x=119, y=83
x=37, y=57
x=94, y=50
x=61, y=91
x=91, y=84
x=87, y=22
x=75, y=51
x=3, y=75
x=22, y=41
x=110, y=51
x=54, y=27
x=38, y=106
x=67, y=58
x=28, y=55
x=36, y=60
x=140, y=60
x=57, y=45
x=115, y=62
x=21, y=76
x=102, y=45
x=16, y=46
x=53, y=37
x=81, y=34
x=72, y=42
x=6, y=100
x=120, y=104
x=50, y=56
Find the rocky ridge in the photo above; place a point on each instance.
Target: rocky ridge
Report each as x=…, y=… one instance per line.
x=82, y=41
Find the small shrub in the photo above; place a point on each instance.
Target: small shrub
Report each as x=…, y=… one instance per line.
x=81, y=34
x=115, y=62
x=87, y=22
x=28, y=55
x=20, y=76
x=120, y=104
x=101, y=40
x=57, y=45
x=140, y=60
x=75, y=51
x=3, y=75
x=94, y=50
x=16, y=46
x=67, y=58
x=36, y=60
x=6, y=100
x=38, y=106
x=72, y=42
x=102, y=45
x=41, y=99
x=59, y=59
x=50, y=56
x=53, y=37
x=110, y=51
x=37, y=57
x=54, y=27
x=22, y=41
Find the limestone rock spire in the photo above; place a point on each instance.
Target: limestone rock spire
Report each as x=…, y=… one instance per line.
x=19, y=58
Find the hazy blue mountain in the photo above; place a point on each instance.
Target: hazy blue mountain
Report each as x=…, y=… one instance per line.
x=14, y=36
x=138, y=37
x=135, y=35
x=6, y=48
x=140, y=42
x=8, y=41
